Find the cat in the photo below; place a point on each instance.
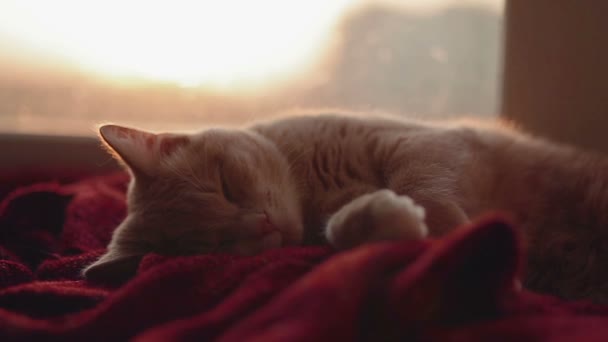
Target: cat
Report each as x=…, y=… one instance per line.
x=347, y=180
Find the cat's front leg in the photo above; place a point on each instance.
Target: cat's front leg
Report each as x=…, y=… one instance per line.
x=381, y=215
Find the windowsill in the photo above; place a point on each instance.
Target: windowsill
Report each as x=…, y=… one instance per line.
x=27, y=151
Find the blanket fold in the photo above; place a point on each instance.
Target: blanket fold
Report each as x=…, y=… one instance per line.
x=463, y=287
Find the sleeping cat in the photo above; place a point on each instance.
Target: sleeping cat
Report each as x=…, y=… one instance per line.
x=349, y=180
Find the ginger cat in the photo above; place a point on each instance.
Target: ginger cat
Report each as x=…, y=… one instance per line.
x=350, y=180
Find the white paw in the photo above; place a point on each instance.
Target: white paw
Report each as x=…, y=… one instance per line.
x=381, y=215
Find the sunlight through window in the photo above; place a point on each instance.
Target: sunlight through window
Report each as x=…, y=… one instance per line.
x=71, y=64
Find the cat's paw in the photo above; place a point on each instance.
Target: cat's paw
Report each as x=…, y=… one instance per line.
x=381, y=215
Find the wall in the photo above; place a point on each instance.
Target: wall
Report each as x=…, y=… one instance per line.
x=556, y=69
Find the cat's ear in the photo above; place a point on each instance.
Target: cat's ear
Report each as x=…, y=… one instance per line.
x=140, y=150
x=113, y=267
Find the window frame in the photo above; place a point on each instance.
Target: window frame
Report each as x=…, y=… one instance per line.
x=554, y=70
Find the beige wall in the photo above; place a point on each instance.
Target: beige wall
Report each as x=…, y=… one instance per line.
x=556, y=69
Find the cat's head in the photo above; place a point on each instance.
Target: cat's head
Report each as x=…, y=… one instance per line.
x=215, y=191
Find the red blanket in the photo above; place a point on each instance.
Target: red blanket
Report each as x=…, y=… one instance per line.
x=463, y=287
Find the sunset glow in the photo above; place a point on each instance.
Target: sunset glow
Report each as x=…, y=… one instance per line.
x=190, y=42
x=214, y=43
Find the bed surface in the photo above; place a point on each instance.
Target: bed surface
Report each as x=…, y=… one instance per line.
x=463, y=287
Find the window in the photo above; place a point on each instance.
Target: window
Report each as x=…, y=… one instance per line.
x=70, y=65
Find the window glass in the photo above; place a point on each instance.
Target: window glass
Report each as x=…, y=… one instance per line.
x=66, y=66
